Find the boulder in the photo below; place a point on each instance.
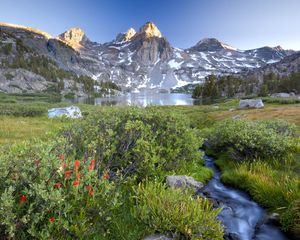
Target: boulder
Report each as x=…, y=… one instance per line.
x=70, y=112
x=251, y=103
x=282, y=95
x=157, y=237
x=183, y=182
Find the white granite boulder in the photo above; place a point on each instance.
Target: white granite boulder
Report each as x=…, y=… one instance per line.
x=158, y=237
x=183, y=182
x=251, y=103
x=70, y=112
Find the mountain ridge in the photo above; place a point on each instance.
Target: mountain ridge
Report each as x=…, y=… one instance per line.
x=143, y=59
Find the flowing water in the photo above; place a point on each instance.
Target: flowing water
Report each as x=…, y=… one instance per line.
x=243, y=218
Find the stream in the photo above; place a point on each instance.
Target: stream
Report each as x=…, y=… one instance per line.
x=243, y=218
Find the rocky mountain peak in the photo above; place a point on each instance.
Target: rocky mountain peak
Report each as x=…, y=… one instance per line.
x=124, y=37
x=129, y=34
x=211, y=44
x=73, y=37
x=150, y=30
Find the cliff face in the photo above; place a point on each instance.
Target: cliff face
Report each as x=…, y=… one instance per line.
x=134, y=60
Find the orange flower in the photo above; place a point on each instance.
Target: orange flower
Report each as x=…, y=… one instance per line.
x=105, y=176
x=91, y=167
x=52, y=219
x=93, y=162
x=23, y=199
x=90, y=190
x=64, y=166
x=67, y=174
x=57, y=185
x=76, y=183
x=76, y=163
x=78, y=176
x=61, y=157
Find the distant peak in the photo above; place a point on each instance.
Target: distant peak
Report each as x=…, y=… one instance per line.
x=150, y=30
x=73, y=36
x=212, y=44
x=129, y=34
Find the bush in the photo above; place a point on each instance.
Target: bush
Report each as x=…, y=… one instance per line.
x=78, y=184
x=252, y=140
x=136, y=142
x=172, y=210
x=48, y=195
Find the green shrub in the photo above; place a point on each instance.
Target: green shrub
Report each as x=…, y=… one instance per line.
x=133, y=141
x=251, y=140
x=45, y=194
x=278, y=100
x=172, y=210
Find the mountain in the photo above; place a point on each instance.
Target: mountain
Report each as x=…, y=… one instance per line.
x=142, y=59
x=286, y=66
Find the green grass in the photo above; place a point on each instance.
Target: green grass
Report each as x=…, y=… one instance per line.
x=16, y=129
x=274, y=185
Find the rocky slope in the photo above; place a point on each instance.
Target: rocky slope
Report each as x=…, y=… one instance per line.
x=135, y=60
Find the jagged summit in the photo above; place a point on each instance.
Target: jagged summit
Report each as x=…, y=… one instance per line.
x=73, y=37
x=211, y=44
x=150, y=30
x=125, y=37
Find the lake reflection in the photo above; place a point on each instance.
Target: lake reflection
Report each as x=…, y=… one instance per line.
x=143, y=99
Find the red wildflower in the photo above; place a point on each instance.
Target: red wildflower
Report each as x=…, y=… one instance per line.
x=76, y=183
x=78, y=176
x=57, y=185
x=52, y=219
x=105, y=176
x=61, y=157
x=36, y=162
x=23, y=199
x=67, y=174
x=77, y=164
x=64, y=166
x=93, y=162
x=90, y=190
x=91, y=167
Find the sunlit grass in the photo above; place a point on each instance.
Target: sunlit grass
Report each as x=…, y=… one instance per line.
x=14, y=129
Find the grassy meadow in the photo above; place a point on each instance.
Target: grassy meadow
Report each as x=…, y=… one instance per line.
x=135, y=149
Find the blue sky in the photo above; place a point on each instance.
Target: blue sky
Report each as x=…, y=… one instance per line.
x=243, y=24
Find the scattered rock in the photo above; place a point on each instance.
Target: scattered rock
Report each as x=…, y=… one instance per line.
x=251, y=103
x=231, y=236
x=231, y=109
x=71, y=112
x=158, y=237
x=236, y=117
x=183, y=182
x=273, y=218
x=283, y=95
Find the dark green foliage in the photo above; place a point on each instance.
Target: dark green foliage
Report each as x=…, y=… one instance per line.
x=229, y=86
x=263, y=91
x=109, y=85
x=251, y=140
x=278, y=100
x=136, y=142
x=8, y=76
